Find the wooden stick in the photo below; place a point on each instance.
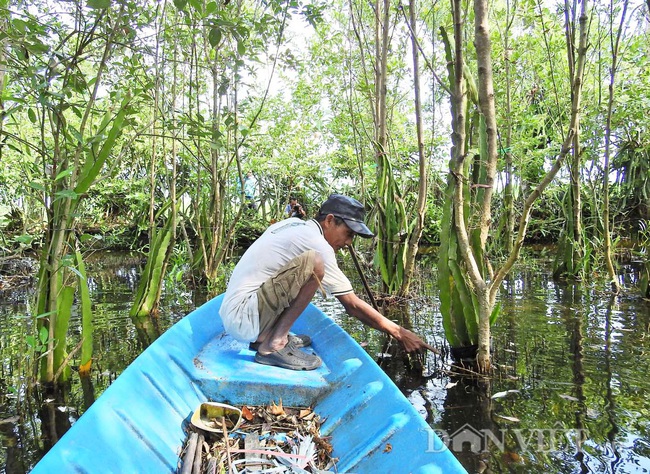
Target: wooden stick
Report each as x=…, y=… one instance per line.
x=212, y=466
x=198, y=456
x=188, y=459
x=225, y=438
x=363, y=278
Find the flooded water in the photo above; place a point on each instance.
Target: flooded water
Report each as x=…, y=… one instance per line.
x=568, y=394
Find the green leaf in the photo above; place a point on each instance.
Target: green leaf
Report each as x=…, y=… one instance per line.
x=83, y=238
x=180, y=4
x=211, y=8
x=496, y=311
x=45, y=315
x=66, y=193
x=93, y=164
x=36, y=186
x=241, y=48
x=197, y=6
x=75, y=133
x=19, y=25
x=86, y=313
x=64, y=304
x=32, y=115
x=98, y=4
x=36, y=47
x=18, y=150
x=77, y=272
x=43, y=335
x=76, y=111
x=31, y=341
x=215, y=36
x=63, y=174
x=148, y=293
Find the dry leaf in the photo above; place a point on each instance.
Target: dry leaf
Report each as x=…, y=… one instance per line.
x=388, y=448
x=510, y=457
x=247, y=413
x=276, y=409
x=307, y=414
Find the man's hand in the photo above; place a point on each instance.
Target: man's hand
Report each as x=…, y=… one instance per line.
x=369, y=316
x=412, y=342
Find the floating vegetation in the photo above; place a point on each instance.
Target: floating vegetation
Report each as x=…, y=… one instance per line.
x=265, y=439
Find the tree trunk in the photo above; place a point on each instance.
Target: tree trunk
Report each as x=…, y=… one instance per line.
x=484, y=293
x=455, y=259
x=4, y=23
x=509, y=204
x=488, y=110
x=569, y=261
x=559, y=162
x=384, y=199
x=416, y=233
x=615, y=286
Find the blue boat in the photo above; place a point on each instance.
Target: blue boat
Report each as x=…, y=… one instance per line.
x=137, y=424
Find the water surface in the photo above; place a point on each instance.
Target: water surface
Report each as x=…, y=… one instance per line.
x=567, y=394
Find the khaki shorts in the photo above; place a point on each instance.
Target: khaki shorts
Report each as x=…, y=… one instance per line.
x=277, y=293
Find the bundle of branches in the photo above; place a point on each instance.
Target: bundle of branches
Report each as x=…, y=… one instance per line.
x=270, y=439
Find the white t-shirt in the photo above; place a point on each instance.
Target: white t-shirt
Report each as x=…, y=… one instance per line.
x=279, y=244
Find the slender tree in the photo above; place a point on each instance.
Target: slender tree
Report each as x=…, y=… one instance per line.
x=4, y=26
x=570, y=259
x=420, y=209
x=615, y=41
x=73, y=154
x=509, y=188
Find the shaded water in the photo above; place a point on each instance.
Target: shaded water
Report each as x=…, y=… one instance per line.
x=568, y=394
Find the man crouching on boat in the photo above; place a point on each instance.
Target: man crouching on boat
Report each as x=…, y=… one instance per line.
x=279, y=274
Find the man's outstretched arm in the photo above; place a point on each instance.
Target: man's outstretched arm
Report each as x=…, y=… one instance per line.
x=365, y=313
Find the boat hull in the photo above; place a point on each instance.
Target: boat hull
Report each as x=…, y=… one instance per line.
x=137, y=424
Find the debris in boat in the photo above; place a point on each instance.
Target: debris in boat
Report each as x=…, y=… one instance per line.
x=265, y=439
x=212, y=416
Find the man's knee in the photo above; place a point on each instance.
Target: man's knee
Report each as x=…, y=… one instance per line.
x=319, y=266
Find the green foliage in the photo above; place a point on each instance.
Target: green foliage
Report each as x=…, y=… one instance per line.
x=102, y=144
x=632, y=167
x=62, y=320
x=150, y=286
x=86, y=317
x=546, y=219
x=248, y=230
x=201, y=100
x=392, y=228
x=644, y=253
x=38, y=343
x=432, y=225
x=69, y=135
